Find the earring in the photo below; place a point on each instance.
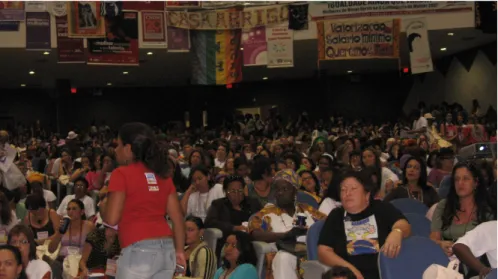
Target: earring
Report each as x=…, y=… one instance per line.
x=202, y=238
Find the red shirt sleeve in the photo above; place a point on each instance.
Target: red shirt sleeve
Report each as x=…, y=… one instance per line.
x=117, y=183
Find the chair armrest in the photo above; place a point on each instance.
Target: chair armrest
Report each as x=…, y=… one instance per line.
x=313, y=269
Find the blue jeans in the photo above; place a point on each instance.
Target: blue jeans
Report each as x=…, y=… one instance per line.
x=148, y=259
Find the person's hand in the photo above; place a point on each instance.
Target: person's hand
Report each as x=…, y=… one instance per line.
x=240, y=228
x=483, y=272
x=357, y=273
x=389, y=186
x=83, y=273
x=180, y=259
x=392, y=245
x=192, y=189
x=447, y=247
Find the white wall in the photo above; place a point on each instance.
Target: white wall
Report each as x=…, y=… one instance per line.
x=458, y=86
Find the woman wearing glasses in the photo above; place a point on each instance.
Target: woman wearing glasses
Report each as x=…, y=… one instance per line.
x=21, y=237
x=229, y=214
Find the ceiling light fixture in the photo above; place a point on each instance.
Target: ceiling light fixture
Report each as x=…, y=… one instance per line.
x=125, y=73
x=450, y=34
x=109, y=84
x=23, y=85
x=31, y=72
x=241, y=48
x=443, y=49
x=149, y=53
x=349, y=72
x=265, y=78
x=46, y=53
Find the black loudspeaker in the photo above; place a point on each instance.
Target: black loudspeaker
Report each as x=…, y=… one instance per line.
x=62, y=87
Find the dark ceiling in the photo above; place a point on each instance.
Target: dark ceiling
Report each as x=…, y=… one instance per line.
x=163, y=68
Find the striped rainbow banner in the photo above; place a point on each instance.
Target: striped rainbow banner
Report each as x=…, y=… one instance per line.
x=217, y=57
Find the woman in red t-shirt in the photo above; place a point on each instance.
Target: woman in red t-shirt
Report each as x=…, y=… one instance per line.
x=140, y=196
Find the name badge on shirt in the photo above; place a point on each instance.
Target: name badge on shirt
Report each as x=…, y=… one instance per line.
x=154, y=188
x=42, y=235
x=151, y=178
x=111, y=267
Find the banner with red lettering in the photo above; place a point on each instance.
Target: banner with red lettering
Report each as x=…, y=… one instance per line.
x=69, y=50
x=153, y=28
x=280, y=44
x=182, y=4
x=121, y=43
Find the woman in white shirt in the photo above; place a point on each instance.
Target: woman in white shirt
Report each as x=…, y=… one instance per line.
x=332, y=198
x=21, y=237
x=201, y=193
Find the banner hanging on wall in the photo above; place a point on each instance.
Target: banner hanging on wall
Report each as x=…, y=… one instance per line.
x=254, y=45
x=9, y=26
x=153, y=28
x=229, y=18
x=182, y=4
x=358, y=39
x=120, y=47
x=143, y=5
x=178, y=39
x=35, y=6
x=216, y=57
x=11, y=11
x=418, y=45
x=38, y=31
x=85, y=20
x=356, y=9
x=280, y=40
x=69, y=50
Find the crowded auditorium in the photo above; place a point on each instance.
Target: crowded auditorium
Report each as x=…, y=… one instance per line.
x=248, y=140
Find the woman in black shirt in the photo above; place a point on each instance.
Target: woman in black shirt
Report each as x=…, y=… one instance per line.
x=228, y=214
x=353, y=235
x=415, y=184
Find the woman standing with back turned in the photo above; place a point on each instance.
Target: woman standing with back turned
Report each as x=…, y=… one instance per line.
x=140, y=196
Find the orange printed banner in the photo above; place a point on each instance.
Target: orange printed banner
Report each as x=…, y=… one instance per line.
x=358, y=39
x=153, y=28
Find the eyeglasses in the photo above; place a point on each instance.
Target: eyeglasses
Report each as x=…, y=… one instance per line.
x=240, y=191
x=19, y=242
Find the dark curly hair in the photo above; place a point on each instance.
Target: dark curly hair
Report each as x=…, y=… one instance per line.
x=482, y=199
x=247, y=254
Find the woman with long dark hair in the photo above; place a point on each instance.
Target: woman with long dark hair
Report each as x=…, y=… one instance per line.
x=387, y=179
x=414, y=184
x=239, y=260
x=140, y=195
x=467, y=205
x=9, y=253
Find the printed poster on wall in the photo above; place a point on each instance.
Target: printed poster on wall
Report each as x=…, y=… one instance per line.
x=38, y=31
x=85, y=20
x=280, y=44
x=254, y=45
x=69, y=50
x=356, y=9
x=178, y=39
x=11, y=11
x=153, y=28
x=120, y=47
x=358, y=39
x=418, y=45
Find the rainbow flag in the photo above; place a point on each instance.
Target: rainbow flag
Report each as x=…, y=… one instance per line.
x=217, y=57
